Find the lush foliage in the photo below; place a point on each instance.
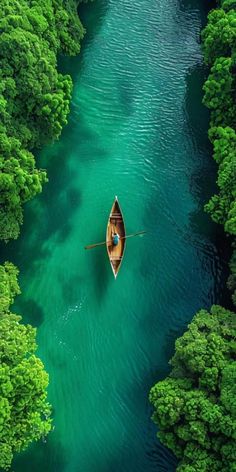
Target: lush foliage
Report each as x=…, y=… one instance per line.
x=34, y=104
x=222, y=207
x=219, y=46
x=9, y=287
x=34, y=97
x=195, y=407
x=24, y=410
x=219, y=36
x=219, y=97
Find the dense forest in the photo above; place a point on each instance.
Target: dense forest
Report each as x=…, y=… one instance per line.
x=34, y=101
x=195, y=406
x=34, y=105
x=24, y=410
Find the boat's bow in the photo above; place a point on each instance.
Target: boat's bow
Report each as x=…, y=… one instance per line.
x=115, y=225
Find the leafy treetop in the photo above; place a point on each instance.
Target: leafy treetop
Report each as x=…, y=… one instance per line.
x=24, y=410
x=34, y=97
x=195, y=407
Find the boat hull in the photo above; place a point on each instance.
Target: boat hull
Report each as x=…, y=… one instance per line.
x=115, y=224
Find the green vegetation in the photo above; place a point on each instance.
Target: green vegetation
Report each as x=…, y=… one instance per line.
x=24, y=410
x=34, y=97
x=222, y=207
x=195, y=407
x=219, y=36
x=34, y=104
x=219, y=46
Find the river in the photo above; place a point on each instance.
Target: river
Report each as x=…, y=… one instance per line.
x=137, y=129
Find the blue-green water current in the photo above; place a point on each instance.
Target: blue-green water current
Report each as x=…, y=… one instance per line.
x=137, y=129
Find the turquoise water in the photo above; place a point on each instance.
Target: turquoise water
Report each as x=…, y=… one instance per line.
x=137, y=129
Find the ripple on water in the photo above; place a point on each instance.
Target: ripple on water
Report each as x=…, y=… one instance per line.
x=131, y=133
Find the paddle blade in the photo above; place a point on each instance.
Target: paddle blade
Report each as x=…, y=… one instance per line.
x=91, y=246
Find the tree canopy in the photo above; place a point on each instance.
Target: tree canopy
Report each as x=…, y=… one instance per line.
x=24, y=410
x=219, y=36
x=218, y=90
x=195, y=406
x=222, y=207
x=219, y=47
x=34, y=97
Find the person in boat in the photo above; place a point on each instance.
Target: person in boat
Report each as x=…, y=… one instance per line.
x=115, y=239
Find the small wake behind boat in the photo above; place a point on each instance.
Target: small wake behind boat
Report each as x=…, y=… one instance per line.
x=115, y=234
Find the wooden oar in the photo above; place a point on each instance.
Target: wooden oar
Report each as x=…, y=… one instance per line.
x=91, y=246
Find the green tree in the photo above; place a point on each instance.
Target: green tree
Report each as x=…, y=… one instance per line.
x=69, y=28
x=9, y=287
x=24, y=410
x=195, y=407
x=19, y=182
x=219, y=36
x=228, y=5
x=219, y=95
x=222, y=207
x=34, y=97
x=219, y=47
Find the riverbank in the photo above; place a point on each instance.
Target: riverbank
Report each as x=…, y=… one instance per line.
x=132, y=132
x=194, y=406
x=34, y=108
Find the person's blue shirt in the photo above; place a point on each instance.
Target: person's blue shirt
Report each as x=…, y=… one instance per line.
x=116, y=238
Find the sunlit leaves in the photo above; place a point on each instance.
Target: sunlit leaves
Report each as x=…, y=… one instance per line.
x=219, y=36
x=219, y=47
x=222, y=207
x=69, y=28
x=195, y=407
x=34, y=97
x=219, y=95
x=24, y=410
x=9, y=287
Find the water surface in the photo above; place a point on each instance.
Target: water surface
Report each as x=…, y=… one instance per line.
x=137, y=129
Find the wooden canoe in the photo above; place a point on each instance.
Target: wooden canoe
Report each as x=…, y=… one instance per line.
x=115, y=224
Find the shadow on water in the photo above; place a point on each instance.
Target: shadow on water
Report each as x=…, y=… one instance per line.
x=55, y=217
x=42, y=456
x=206, y=237
x=157, y=457
x=92, y=18
x=203, y=186
x=101, y=267
x=26, y=255
x=69, y=286
x=197, y=114
x=201, y=224
x=30, y=310
x=48, y=214
x=201, y=5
